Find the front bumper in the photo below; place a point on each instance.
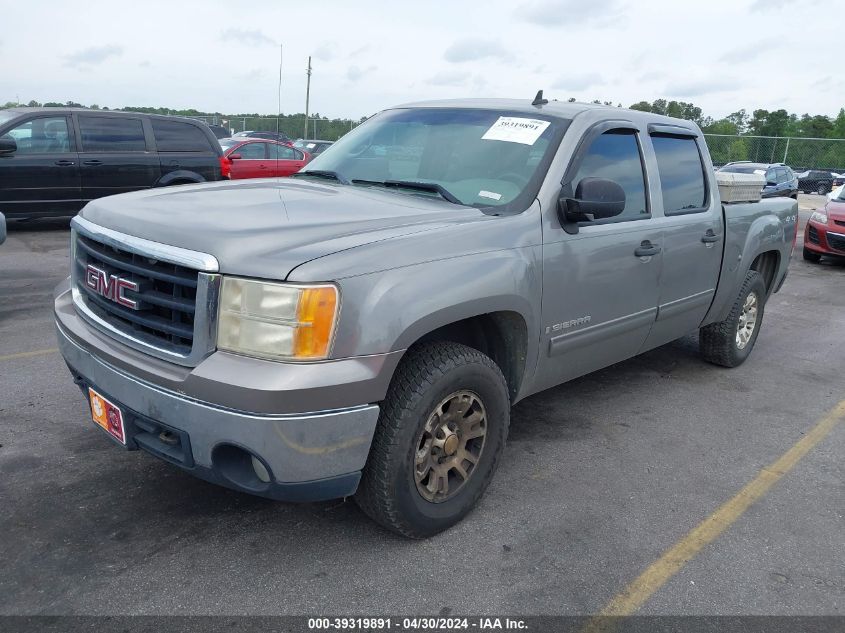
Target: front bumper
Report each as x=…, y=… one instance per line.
x=822, y=239
x=308, y=456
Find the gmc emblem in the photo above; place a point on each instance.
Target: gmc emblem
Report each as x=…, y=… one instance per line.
x=109, y=286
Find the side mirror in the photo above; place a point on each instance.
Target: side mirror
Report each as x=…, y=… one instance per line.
x=596, y=197
x=235, y=156
x=8, y=145
x=2, y=228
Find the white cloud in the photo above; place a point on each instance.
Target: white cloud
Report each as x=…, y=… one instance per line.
x=450, y=78
x=93, y=55
x=473, y=49
x=248, y=37
x=577, y=82
x=553, y=13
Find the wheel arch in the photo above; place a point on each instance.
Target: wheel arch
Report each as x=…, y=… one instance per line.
x=179, y=176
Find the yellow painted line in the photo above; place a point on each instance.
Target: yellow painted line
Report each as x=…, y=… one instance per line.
x=673, y=560
x=38, y=352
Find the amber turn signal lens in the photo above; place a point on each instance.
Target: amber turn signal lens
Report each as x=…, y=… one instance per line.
x=316, y=316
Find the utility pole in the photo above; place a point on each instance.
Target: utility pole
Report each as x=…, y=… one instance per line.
x=307, y=96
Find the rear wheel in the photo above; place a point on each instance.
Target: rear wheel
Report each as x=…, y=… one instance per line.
x=811, y=256
x=729, y=342
x=822, y=189
x=440, y=434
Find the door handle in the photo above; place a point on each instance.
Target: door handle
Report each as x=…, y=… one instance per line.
x=65, y=163
x=92, y=163
x=709, y=237
x=262, y=167
x=646, y=249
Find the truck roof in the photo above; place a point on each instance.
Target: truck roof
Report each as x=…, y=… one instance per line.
x=560, y=109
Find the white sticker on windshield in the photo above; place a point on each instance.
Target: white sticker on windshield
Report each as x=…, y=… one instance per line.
x=489, y=194
x=760, y=172
x=516, y=130
x=311, y=145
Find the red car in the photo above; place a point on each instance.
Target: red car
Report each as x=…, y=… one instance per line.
x=260, y=158
x=825, y=231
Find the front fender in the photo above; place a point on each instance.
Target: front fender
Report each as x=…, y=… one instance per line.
x=390, y=310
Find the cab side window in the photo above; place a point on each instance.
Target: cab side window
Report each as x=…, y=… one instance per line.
x=283, y=152
x=46, y=135
x=252, y=151
x=681, y=174
x=111, y=134
x=615, y=155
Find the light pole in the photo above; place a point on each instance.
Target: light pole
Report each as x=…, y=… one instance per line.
x=307, y=97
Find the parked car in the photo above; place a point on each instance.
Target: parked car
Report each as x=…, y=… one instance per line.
x=54, y=160
x=815, y=181
x=219, y=131
x=825, y=231
x=312, y=146
x=838, y=180
x=780, y=179
x=525, y=245
x=273, y=136
x=837, y=192
x=256, y=158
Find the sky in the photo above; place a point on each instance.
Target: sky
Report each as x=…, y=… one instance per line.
x=224, y=56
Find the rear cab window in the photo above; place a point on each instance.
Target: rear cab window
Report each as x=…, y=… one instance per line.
x=111, y=134
x=681, y=170
x=179, y=136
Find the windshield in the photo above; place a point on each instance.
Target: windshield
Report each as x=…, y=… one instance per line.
x=480, y=158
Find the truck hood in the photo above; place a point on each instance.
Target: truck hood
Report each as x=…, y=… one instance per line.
x=266, y=228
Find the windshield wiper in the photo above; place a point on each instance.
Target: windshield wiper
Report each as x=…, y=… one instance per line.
x=413, y=184
x=324, y=173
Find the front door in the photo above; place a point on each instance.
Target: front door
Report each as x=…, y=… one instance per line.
x=600, y=286
x=252, y=162
x=114, y=157
x=40, y=178
x=693, y=238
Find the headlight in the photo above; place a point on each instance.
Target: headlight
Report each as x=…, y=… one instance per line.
x=277, y=321
x=819, y=216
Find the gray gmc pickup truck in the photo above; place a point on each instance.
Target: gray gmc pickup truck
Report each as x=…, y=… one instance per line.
x=365, y=327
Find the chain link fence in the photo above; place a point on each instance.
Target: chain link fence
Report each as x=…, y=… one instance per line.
x=292, y=125
x=799, y=153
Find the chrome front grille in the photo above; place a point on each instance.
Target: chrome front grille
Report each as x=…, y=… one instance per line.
x=154, y=297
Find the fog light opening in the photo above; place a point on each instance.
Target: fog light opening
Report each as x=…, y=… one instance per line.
x=241, y=468
x=260, y=470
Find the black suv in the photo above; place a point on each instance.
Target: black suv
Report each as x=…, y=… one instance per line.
x=54, y=160
x=781, y=181
x=815, y=181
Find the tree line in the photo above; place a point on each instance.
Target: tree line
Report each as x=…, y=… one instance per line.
x=742, y=124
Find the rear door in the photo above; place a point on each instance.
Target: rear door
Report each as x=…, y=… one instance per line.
x=285, y=160
x=600, y=285
x=41, y=178
x=185, y=147
x=693, y=236
x=252, y=162
x=114, y=155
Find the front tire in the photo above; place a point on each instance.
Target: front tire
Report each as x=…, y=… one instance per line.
x=811, y=256
x=440, y=434
x=729, y=342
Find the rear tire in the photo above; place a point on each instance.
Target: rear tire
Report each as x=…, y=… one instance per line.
x=729, y=342
x=811, y=256
x=403, y=486
x=822, y=189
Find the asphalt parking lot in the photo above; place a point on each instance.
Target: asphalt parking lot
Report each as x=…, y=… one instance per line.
x=600, y=477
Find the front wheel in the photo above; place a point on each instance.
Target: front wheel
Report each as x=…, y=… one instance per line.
x=440, y=434
x=811, y=256
x=729, y=342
